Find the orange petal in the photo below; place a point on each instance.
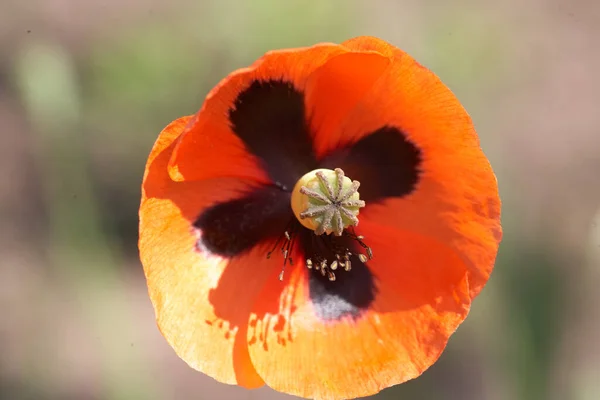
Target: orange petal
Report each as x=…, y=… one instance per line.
x=335, y=88
x=456, y=200
x=371, y=43
x=209, y=147
x=200, y=300
x=422, y=297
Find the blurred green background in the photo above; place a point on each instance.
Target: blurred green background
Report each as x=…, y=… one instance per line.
x=86, y=86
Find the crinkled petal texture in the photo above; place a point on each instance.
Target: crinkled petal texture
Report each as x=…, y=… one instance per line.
x=422, y=297
x=215, y=197
x=456, y=201
x=183, y=282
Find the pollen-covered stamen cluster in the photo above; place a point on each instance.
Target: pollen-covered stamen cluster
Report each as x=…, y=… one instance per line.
x=318, y=263
x=339, y=254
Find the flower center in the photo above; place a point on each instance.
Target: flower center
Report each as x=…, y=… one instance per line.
x=326, y=201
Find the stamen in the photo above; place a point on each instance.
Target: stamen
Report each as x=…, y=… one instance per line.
x=289, y=239
x=359, y=239
x=280, y=238
x=330, y=254
x=331, y=276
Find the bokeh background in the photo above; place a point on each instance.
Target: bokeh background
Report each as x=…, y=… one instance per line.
x=85, y=87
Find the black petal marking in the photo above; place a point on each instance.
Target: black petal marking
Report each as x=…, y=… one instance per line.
x=385, y=162
x=350, y=294
x=233, y=227
x=269, y=117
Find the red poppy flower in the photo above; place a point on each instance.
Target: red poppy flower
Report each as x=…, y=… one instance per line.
x=344, y=309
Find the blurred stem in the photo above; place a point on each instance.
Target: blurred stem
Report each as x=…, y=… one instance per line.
x=79, y=249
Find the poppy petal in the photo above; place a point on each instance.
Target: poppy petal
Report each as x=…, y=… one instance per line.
x=184, y=283
x=371, y=43
x=336, y=87
x=422, y=296
x=385, y=162
x=455, y=196
x=252, y=124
